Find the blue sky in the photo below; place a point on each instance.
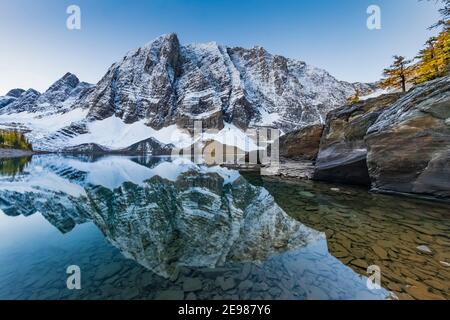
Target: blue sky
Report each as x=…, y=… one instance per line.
x=36, y=48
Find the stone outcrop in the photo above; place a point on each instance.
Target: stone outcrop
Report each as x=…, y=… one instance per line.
x=302, y=144
x=409, y=144
x=343, y=151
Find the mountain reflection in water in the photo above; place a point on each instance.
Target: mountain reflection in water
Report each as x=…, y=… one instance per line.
x=178, y=231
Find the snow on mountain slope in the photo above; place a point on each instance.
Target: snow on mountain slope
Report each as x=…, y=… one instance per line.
x=163, y=86
x=114, y=133
x=376, y=93
x=41, y=127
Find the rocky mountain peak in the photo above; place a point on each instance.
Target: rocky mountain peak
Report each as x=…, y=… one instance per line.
x=16, y=93
x=61, y=96
x=165, y=83
x=25, y=102
x=67, y=83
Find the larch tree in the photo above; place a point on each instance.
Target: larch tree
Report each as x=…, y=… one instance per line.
x=398, y=74
x=434, y=59
x=355, y=98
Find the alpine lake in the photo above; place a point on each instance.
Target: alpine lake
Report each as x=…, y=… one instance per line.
x=166, y=228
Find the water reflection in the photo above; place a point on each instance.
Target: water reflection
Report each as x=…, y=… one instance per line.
x=178, y=230
x=409, y=239
x=13, y=166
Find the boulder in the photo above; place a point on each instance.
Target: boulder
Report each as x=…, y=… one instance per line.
x=409, y=144
x=302, y=144
x=343, y=151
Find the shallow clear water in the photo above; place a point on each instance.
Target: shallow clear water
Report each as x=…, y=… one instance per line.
x=158, y=228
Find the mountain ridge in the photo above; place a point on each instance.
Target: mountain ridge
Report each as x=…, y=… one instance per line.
x=164, y=83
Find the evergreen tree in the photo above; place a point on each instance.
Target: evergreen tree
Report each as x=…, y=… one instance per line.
x=398, y=74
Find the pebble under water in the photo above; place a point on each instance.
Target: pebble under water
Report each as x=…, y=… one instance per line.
x=159, y=228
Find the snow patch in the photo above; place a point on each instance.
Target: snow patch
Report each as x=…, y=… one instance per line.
x=113, y=133
x=268, y=119
x=42, y=123
x=376, y=94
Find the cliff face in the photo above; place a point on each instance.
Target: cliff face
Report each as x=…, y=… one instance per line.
x=302, y=144
x=165, y=84
x=343, y=151
x=393, y=143
x=409, y=144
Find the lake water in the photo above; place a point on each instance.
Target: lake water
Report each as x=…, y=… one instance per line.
x=160, y=228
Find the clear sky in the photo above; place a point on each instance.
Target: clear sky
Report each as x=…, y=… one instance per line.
x=36, y=48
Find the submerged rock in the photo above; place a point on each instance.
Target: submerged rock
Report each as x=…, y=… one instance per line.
x=343, y=151
x=192, y=284
x=409, y=144
x=424, y=249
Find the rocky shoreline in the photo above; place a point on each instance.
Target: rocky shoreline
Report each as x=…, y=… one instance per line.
x=395, y=143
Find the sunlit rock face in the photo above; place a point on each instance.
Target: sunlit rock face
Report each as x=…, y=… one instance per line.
x=162, y=214
x=343, y=151
x=408, y=145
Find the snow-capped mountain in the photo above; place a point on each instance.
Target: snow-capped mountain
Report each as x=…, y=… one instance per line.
x=60, y=97
x=163, y=87
x=10, y=97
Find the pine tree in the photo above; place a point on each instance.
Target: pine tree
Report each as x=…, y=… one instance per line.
x=398, y=74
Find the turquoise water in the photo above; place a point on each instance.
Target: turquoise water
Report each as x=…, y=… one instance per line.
x=159, y=228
